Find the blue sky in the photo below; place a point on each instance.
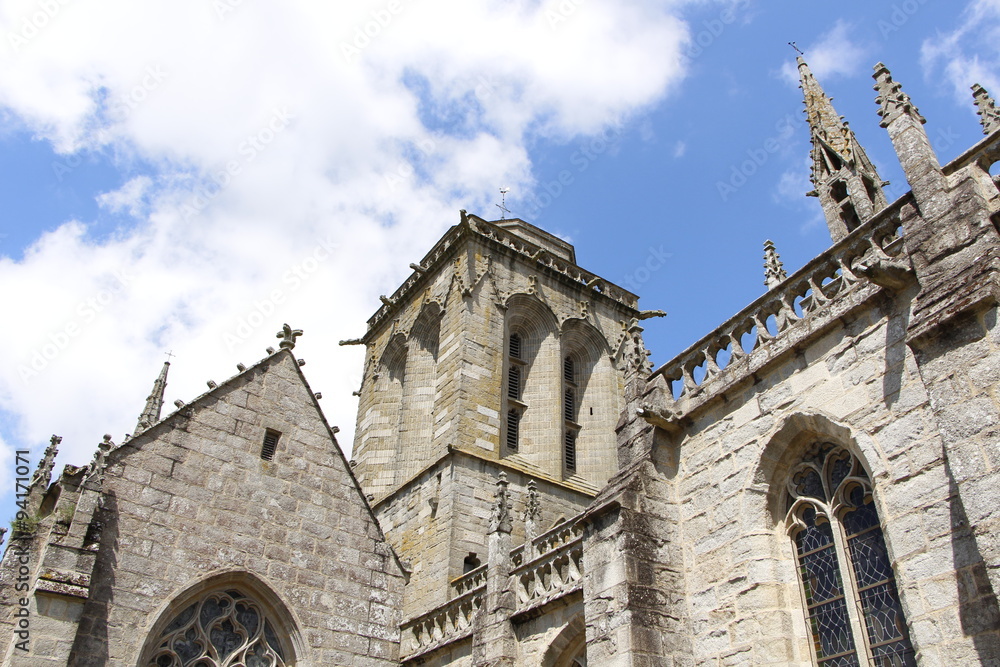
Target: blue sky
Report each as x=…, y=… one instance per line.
x=186, y=176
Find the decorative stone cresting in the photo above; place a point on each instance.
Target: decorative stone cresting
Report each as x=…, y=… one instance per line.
x=805, y=301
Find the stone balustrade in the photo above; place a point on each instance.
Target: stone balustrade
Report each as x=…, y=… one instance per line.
x=822, y=291
x=470, y=581
x=553, y=574
x=443, y=625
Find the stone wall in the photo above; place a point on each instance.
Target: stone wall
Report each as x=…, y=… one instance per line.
x=190, y=505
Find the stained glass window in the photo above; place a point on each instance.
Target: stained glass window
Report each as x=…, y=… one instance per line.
x=852, y=604
x=224, y=629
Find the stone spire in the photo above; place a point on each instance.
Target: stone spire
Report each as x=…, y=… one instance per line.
x=846, y=182
x=151, y=414
x=774, y=270
x=989, y=115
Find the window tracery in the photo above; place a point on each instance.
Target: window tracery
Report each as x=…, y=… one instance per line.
x=223, y=629
x=852, y=604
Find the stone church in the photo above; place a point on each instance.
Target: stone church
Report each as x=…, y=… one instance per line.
x=814, y=482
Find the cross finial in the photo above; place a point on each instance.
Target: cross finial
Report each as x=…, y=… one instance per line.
x=503, y=203
x=797, y=49
x=170, y=355
x=288, y=336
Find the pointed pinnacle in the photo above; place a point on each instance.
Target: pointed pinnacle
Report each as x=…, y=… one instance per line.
x=774, y=270
x=154, y=402
x=989, y=115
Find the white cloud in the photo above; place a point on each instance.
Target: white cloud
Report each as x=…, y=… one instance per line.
x=835, y=54
x=968, y=54
x=294, y=179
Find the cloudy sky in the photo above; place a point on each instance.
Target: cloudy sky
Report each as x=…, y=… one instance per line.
x=186, y=176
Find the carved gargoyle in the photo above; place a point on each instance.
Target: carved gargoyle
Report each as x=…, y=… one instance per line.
x=646, y=314
x=885, y=271
x=664, y=418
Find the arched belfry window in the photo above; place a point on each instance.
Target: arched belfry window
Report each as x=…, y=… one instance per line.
x=516, y=407
x=849, y=590
x=225, y=628
x=571, y=427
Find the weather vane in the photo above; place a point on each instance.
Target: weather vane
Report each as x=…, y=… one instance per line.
x=503, y=203
x=797, y=49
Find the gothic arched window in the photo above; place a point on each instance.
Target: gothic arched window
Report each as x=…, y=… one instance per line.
x=222, y=629
x=852, y=605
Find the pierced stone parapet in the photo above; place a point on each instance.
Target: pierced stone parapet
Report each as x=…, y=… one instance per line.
x=804, y=303
x=552, y=539
x=552, y=575
x=470, y=581
x=442, y=625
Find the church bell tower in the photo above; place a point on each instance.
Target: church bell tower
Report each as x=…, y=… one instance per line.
x=497, y=354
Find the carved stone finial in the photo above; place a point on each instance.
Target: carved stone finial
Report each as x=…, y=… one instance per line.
x=893, y=102
x=774, y=270
x=635, y=359
x=3, y=531
x=43, y=474
x=989, y=115
x=532, y=507
x=288, y=336
x=100, y=461
x=500, y=519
